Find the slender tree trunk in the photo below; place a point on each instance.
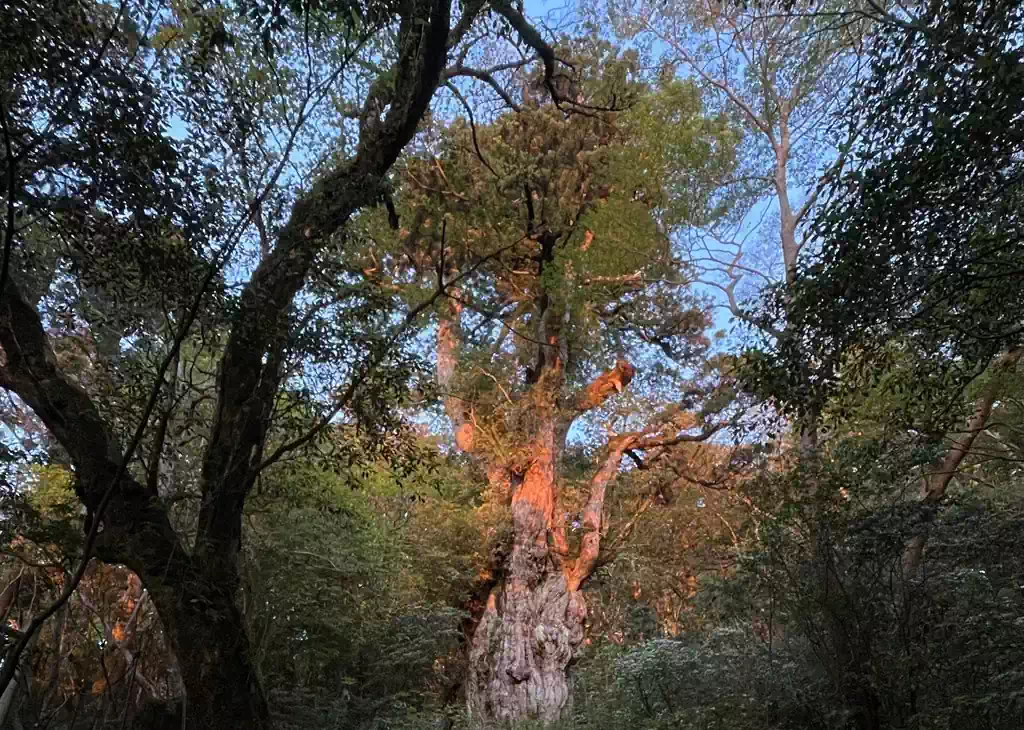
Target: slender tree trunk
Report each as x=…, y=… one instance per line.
x=935, y=483
x=449, y=338
x=847, y=654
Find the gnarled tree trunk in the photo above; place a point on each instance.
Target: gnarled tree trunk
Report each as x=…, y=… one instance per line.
x=522, y=646
x=533, y=620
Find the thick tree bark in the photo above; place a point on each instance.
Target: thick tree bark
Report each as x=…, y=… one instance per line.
x=533, y=620
x=522, y=647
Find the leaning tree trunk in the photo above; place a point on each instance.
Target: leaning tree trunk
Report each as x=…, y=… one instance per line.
x=533, y=620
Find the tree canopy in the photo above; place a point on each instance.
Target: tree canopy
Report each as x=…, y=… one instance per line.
x=421, y=364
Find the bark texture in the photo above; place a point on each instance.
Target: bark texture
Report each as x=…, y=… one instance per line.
x=533, y=620
x=522, y=646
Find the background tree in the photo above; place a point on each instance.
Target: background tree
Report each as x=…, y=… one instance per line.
x=904, y=292
x=783, y=77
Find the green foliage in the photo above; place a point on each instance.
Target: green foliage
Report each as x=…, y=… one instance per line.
x=350, y=588
x=617, y=175
x=921, y=236
x=43, y=517
x=50, y=493
x=775, y=600
x=723, y=678
x=940, y=652
x=686, y=148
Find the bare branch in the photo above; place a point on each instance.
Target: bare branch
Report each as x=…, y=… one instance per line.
x=487, y=76
x=472, y=127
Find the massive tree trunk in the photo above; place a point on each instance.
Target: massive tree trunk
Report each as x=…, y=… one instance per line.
x=522, y=646
x=533, y=620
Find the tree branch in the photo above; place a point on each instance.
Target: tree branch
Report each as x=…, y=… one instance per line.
x=8, y=242
x=244, y=398
x=593, y=511
x=530, y=36
x=936, y=481
x=487, y=76
x=139, y=532
x=604, y=386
